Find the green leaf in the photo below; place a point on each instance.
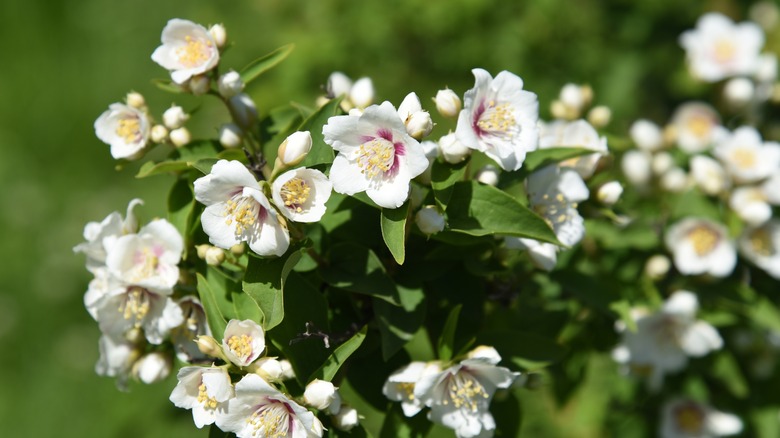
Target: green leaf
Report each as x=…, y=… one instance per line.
x=264, y=283
x=398, y=324
x=397, y=425
x=321, y=152
x=394, y=230
x=524, y=349
x=443, y=178
x=151, y=168
x=198, y=150
x=728, y=372
x=265, y=63
x=181, y=204
x=331, y=366
x=447, y=339
x=479, y=210
x=210, y=300
x=623, y=309
x=539, y=158
x=355, y=268
x=216, y=432
x=168, y=85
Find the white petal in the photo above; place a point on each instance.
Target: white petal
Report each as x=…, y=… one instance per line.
x=700, y=339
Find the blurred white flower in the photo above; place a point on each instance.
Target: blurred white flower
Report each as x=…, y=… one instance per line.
x=205, y=390
x=400, y=385
x=696, y=126
x=750, y=204
x=543, y=255
x=701, y=246
x=718, y=48
x=346, y=418
x=175, y=117
x=709, y=175
x=646, y=135
x=243, y=109
x=230, y=84
x=746, y=157
x=301, y=194
x=499, y=118
x=488, y=174
x=184, y=336
x=102, y=235
x=609, y=193
x=117, y=357
x=294, y=148
x=338, y=84
x=230, y=135
x=429, y=220
x=187, y=49
x=739, y=91
x=682, y=418
x=153, y=367
x=125, y=129
x=554, y=193
x=576, y=134
x=362, y=93
x=636, y=166
x=761, y=245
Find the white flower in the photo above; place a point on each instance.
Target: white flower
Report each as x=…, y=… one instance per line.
x=746, y=157
x=135, y=100
x=362, y=93
x=230, y=84
x=636, y=165
x=346, y=418
x=187, y=49
x=750, y=204
x=199, y=85
x=260, y=410
x=418, y=122
x=459, y=396
x=101, y=235
x=125, y=129
x=577, y=134
x=159, y=134
x=719, y=49
x=269, y=369
x=400, y=385
x=554, y=193
x=244, y=341
x=700, y=246
x=664, y=340
x=697, y=126
x=499, y=118
x=148, y=259
x=609, y=193
x=319, y=394
x=646, y=135
x=453, y=150
x=709, y=175
x=662, y=162
x=238, y=211
x=543, y=255
x=683, y=418
x=657, y=266
x=194, y=325
x=294, y=148
x=761, y=245
x=205, y=391
x=153, y=367
x=448, y=103
x=117, y=357
x=338, y=84
x=287, y=370
x=675, y=180
x=739, y=91
x=429, y=220
x=301, y=194
x=375, y=155
x=575, y=96
x=175, y=117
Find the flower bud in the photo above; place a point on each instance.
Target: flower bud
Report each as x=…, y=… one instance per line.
x=646, y=135
x=452, y=150
x=230, y=135
x=636, y=167
x=159, y=134
x=180, y=137
x=209, y=346
x=200, y=85
x=152, y=367
x=559, y=110
x=766, y=70
x=409, y=106
x=609, y=193
x=269, y=369
x=599, y=116
x=419, y=125
x=346, y=419
x=214, y=256
x=573, y=97
x=448, y=103
x=319, y=394
x=135, y=100
x=202, y=250
x=739, y=91
x=657, y=266
x=287, y=370
x=237, y=249
x=175, y=117
x=219, y=34
x=230, y=84
x=135, y=335
x=485, y=353
x=362, y=93
x=662, y=162
x=674, y=180
x=429, y=220
x=243, y=109
x=321, y=101
x=339, y=84
x=294, y=148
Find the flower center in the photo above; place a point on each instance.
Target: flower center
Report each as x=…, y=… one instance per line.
x=689, y=419
x=497, y=119
x=241, y=346
x=242, y=211
x=145, y=264
x=204, y=399
x=271, y=420
x=295, y=193
x=194, y=52
x=376, y=157
x=554, y=210
x=699, y=126
x=761, y=243
x=743, y=158
x=129, y=129
x=724, y=51
x=408, y=389
x=136, y=305
x=464, y=391
x=704, y=239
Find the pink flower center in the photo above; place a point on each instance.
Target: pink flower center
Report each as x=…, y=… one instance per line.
x=378, y=156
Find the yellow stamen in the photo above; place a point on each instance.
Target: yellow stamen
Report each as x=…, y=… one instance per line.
x=243, y=211
x=408, y=389
x=690, y=419
x=136, y=305
x=195, y=52
x=464, y=391
x=761, y=242
x=204, y=399
x=744, y=158
x=700, y=126
x=129, y=129
x=270, y=421
x=724, y=51
x=375, y=157
x=497, y=119
x=241, y=346
x=295, y=193
x=704, y=239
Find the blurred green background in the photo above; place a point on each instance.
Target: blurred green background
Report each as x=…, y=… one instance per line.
x=64, y=62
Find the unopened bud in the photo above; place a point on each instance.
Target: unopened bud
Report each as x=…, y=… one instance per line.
x=739, y=91
x=362, y=93
x=600, y=116
x=609, y=193
x=319, y=394
x=346, y=419
x=230, y=135
x=219, y=34
x=409, y=106
x=180, y=137
x=646, y=135
x=175, y=117
x=214, y=256
x=321, y=101
x=447, y=103
x=488, y=175
x=200, y=85
x=452, y=150
x=339, y=84
x=135, y=100
x=636, y=167
x=159, y=134
x=559, y=110
x=152, y=367
x=572, y=96
x=287, y=370
x=485, y=353
x=766, y=70
x=429, y=220
x=237, y=249
x=675, y=180
x=657, y=266
x=662, y=161
x=294, y=148
x=202, y=250
x=230, y=84
x=268, y=368
x=419, y=125
x=244, y=110
x=209, y=346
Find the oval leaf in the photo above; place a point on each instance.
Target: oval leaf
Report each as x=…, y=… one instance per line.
x=265, y=63
x=394, y=230
x=331, y=366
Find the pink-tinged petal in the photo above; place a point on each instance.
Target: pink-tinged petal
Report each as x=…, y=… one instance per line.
x=226, y=179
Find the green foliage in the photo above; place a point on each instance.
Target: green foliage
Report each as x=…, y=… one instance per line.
x=264, y=63
x=393, y=227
